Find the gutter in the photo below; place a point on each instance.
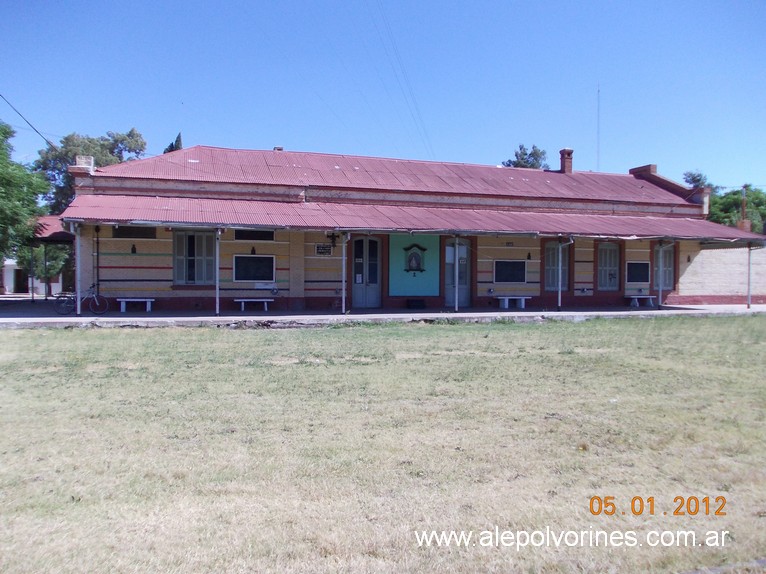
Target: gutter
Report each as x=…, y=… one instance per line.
x=704, y=241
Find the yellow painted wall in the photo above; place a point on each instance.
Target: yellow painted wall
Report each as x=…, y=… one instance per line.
x=491, y=249
x=583, y=267
x=637, y=251
x=322, y=273
x=149, y=271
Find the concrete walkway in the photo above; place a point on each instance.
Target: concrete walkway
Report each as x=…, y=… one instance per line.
x=21, y=313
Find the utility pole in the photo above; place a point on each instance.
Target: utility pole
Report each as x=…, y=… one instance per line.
x=744, y=202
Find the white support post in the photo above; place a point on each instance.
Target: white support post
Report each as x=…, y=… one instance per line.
x=559, y=270
x=558, y=274
x=749, y=273
x=661, y=267
x=47, y=283
x=456, y=273
x=78, y=269
x=343, y=272
x=217, y=272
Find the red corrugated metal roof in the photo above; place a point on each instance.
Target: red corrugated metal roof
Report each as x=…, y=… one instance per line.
x=256, y=167
x=325, y=216
x=50, y=229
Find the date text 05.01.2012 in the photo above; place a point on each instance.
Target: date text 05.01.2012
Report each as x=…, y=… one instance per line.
x=639, y=505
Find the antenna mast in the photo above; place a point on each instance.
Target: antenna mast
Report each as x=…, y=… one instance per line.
x=598, y=128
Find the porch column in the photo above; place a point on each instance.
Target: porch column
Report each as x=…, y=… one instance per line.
x=559, y=267
x=661, y=275
x=45, y=270
x=749, y=273
x=558, y=275
x=456, y=259
x=346, y=237
x=217, y=272
x=97, y=229
x=77, y=269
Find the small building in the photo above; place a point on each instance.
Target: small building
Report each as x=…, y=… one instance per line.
x=210, y=228
x=17, y=280
x=14, y=280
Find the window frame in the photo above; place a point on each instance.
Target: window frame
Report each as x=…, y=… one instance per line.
x=615, y=247
x=669, y=262
x=132, y=232
x=565, y=267
x=181, y=261
x=494, y=271
x=255, y=234
x=648, y=266
x=256, y=280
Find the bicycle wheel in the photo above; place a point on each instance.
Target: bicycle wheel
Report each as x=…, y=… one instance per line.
x=98, y=305
x=64, y=304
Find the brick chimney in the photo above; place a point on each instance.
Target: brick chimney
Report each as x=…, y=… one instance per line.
x=566, y=160
x=84, y=165
x=745, y=225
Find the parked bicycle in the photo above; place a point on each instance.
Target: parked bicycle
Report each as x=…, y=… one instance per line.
x=65, y=303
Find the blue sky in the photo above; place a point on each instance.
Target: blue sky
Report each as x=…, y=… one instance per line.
x=682, y=84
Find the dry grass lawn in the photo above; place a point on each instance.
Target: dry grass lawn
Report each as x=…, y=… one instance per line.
x=215, y=450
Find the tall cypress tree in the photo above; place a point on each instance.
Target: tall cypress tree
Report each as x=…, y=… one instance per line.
x=176, y=145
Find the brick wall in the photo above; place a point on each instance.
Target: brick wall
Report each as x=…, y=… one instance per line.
x=714, y=272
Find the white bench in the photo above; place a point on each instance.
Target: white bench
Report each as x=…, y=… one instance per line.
x=521, y=302
x=264, y=301
x=136, y=300
x=635, y=300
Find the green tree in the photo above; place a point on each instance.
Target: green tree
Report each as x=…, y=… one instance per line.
x=43, y=262
x=106, y=150
x=726, y=207
x=524, y=158
x=697, y=180
x=176, y=145
x=19, y=191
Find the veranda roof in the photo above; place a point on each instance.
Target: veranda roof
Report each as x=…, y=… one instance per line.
x=236, y=213
x=50, y=230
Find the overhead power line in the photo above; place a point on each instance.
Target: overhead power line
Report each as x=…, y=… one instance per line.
x=760, y=185
x=402, y=78
x=49, y=142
